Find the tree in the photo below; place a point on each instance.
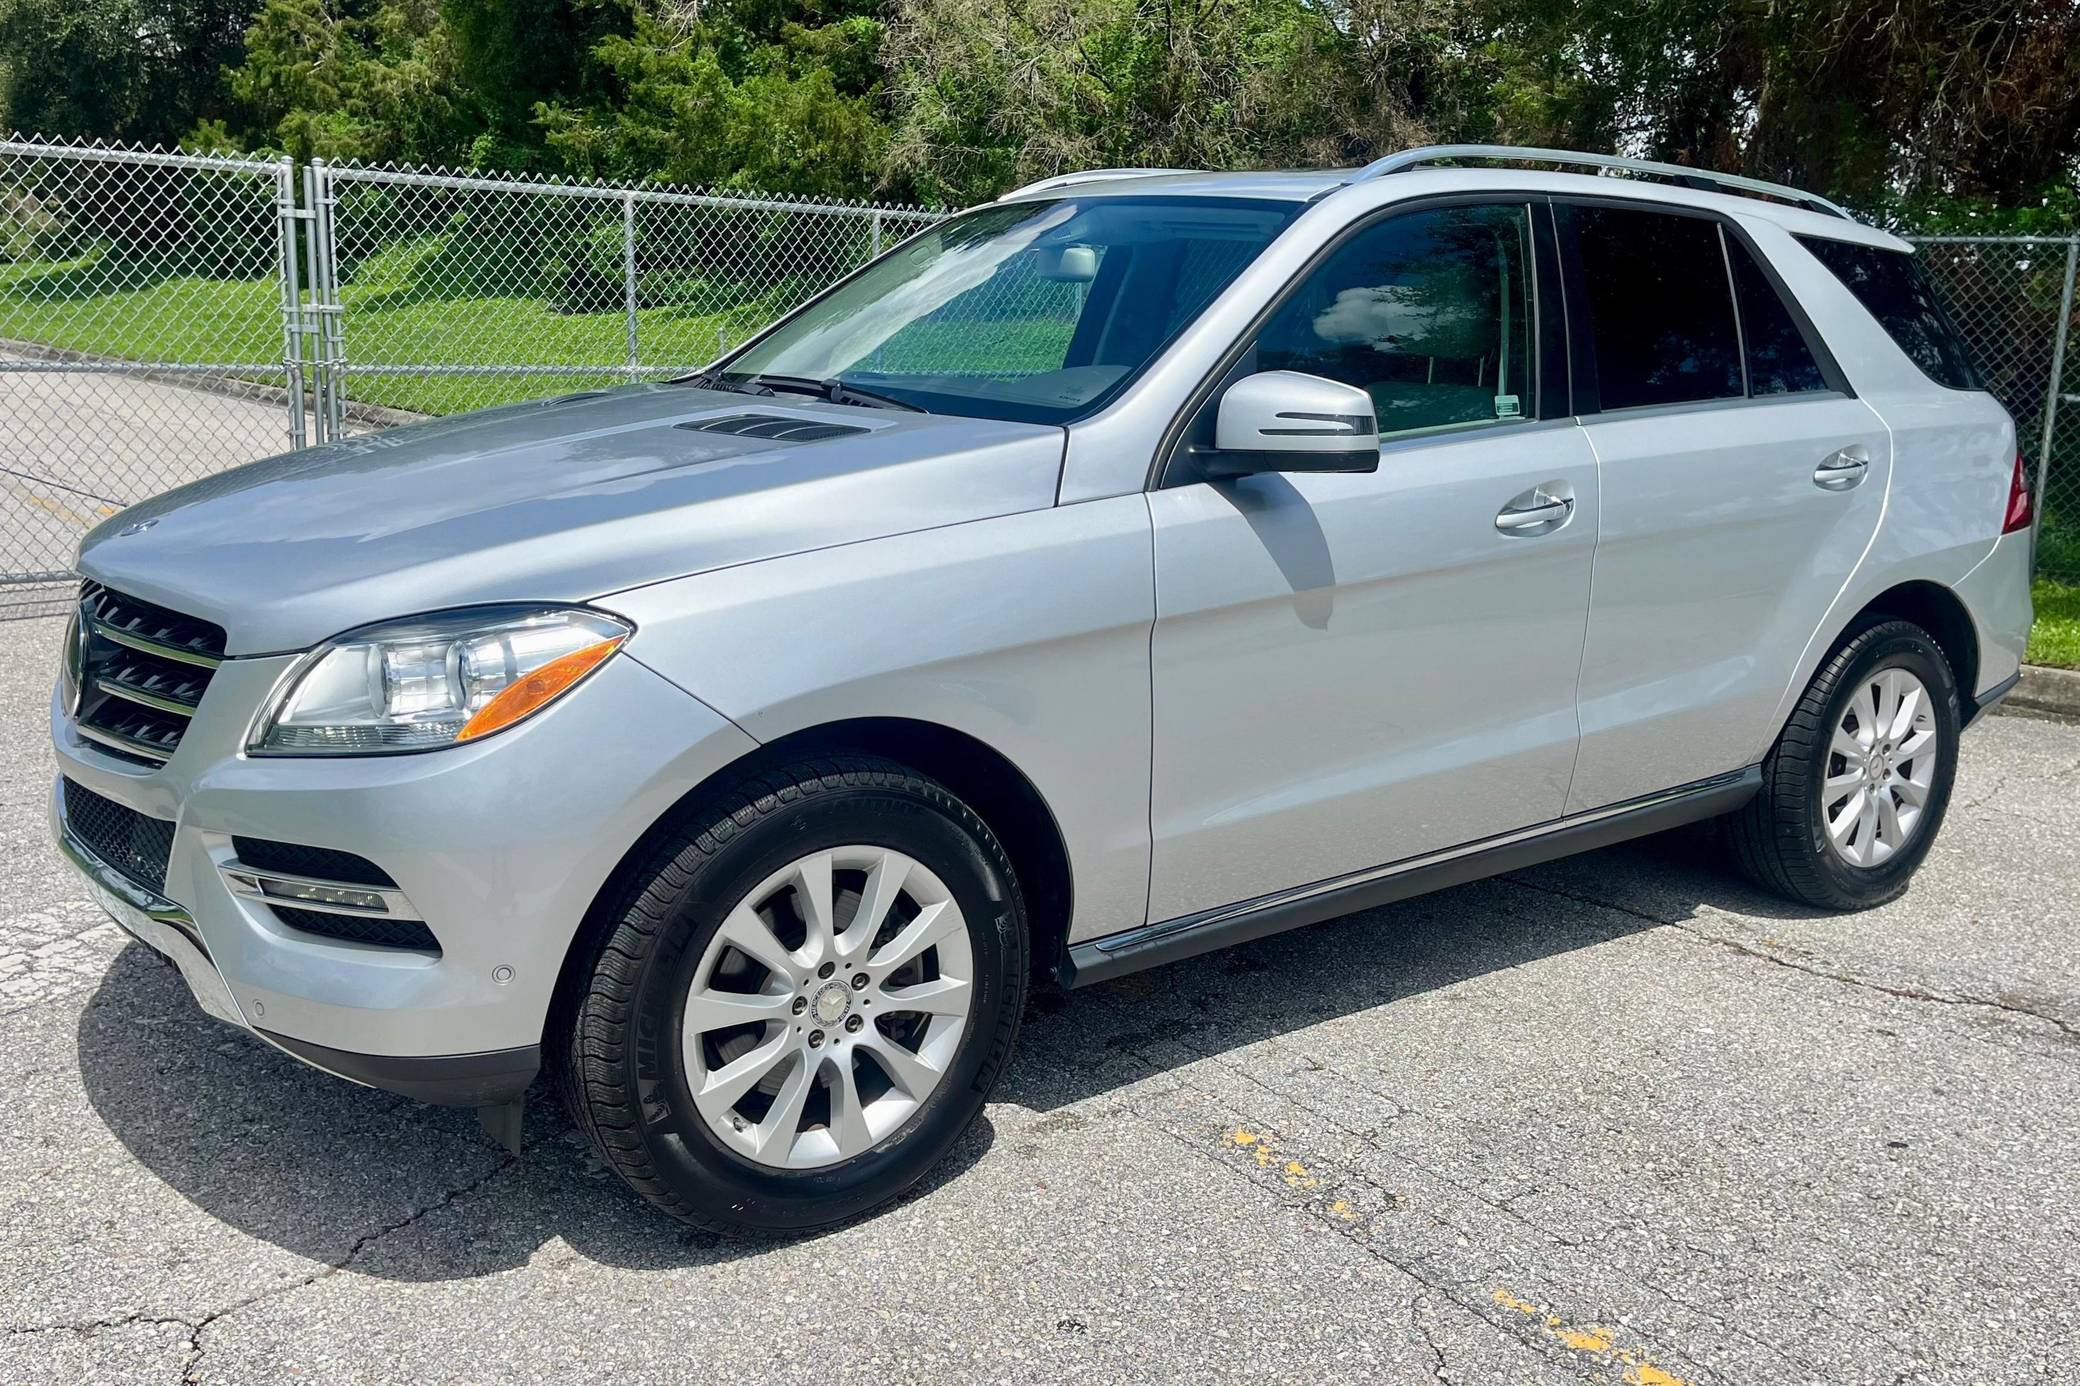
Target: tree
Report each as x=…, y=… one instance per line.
x=342, y=81
x=991, y=92
x=780, y=107
x=136, y=70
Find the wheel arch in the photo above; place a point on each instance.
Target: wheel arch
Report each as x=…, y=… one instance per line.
x=979, y=774
x=1937, y=610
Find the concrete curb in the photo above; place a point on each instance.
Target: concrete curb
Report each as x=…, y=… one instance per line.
x=2045, y=690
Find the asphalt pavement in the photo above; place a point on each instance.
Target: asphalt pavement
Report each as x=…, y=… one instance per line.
x=1620, y=1119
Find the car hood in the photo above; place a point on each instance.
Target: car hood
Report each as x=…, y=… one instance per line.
x=565, y=499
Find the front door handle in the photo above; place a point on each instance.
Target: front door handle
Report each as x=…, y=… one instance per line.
x=1844, y=468
x=1541, y=510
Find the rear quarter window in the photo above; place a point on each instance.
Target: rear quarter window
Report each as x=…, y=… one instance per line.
x=1890, y=284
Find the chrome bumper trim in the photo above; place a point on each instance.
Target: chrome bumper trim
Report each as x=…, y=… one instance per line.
x=252, y=883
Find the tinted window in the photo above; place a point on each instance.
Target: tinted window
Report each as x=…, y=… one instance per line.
x=1890, y=284
x=1660, y=310
x=1779, y=361
x=1429, y=313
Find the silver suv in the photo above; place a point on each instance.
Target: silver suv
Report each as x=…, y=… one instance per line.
x=1143, y=563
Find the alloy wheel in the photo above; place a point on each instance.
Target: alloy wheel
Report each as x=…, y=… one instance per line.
x=1881, y=766
x=827, y=1007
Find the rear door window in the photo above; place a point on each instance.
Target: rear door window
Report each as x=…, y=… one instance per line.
x=1660, y=308
x=1779, y=360
x=1890, y=284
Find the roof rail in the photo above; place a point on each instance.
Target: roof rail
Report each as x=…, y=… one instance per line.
x=1089, y=175
x=1699, y=178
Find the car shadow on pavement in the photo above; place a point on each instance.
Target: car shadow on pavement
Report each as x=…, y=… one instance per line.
x=349, y=1176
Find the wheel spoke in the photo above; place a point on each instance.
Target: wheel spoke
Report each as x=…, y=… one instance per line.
x=941, y=996
x=776, y=1134
x=1852, y=751
x=1838, y=785
x=1865, y=706
x=1887, y=703
x=717, y=1010
x=747, y=933
x=1915, y=794
x=727, y=1085
x=848, y=1114
x=933, y=923
x=1845, y=818
x=1888, y=827
x=884, y=887
x=912, y=1072
x=1915, y=743
x=1910, y=708
x=1866, y=829
x=813, y=892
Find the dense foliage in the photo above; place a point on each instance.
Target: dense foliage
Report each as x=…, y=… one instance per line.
x=1934, y=110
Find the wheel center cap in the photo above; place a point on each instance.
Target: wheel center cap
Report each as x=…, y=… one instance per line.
x=831, y=1002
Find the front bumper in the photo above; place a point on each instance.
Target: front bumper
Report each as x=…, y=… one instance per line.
x=501, y=847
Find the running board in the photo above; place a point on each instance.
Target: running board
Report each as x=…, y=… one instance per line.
x=1152, y=945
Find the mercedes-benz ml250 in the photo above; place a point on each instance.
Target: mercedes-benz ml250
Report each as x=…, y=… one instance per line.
x=1139, y=564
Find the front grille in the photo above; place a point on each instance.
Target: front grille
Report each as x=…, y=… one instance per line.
x=318, y=863
x=140, y=671
x=360, y=928
x=133, y=843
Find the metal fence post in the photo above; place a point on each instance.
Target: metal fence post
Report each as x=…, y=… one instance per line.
x=331, y=328
x=286, y=217
x=2052, y=392
x=877, y=234
x=628, y=277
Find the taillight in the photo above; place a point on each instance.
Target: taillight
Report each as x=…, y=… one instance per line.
x=2019, y=506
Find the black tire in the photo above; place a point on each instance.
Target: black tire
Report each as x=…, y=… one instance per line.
x=622, y=1074
x=1779, y=840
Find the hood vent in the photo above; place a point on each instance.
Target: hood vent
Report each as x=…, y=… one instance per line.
x=778, y=427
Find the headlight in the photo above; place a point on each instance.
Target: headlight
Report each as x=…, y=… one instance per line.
x=433, y=681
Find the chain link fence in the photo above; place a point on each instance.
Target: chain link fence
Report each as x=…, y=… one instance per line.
x=142, y=311
x=2013, y=299
x=166, y=316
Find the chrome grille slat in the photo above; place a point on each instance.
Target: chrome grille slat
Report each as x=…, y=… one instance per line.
x=145, y=697
x=127, y=745
x=141, y=672
x=143, y=645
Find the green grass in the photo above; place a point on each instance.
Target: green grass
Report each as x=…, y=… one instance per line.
x=405, y=307
x=2055, y=639
x=428, y=302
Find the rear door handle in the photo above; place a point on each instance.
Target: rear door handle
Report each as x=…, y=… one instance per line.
x=1541, y=510
x=1842, y=469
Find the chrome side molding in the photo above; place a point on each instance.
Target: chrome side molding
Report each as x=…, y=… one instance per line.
x=1170, y=940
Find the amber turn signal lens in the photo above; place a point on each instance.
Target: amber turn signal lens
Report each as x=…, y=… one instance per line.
x=536, y=690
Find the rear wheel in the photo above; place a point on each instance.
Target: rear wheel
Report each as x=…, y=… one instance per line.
x=804, y=1001
x=1857, y=785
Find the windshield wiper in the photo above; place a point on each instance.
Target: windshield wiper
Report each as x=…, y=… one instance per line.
x=834, y=390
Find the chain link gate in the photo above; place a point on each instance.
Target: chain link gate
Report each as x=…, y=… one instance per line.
x=146, y=337
x=166, y=316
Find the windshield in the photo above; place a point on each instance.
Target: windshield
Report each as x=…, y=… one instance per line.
x=1034, y=311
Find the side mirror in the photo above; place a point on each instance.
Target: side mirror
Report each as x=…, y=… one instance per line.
x=1283, y=421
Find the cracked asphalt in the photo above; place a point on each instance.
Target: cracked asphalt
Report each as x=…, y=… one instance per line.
x=1620, y=1119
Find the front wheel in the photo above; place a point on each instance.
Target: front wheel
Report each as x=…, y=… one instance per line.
x=1856, y=786
x=804, y=1001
